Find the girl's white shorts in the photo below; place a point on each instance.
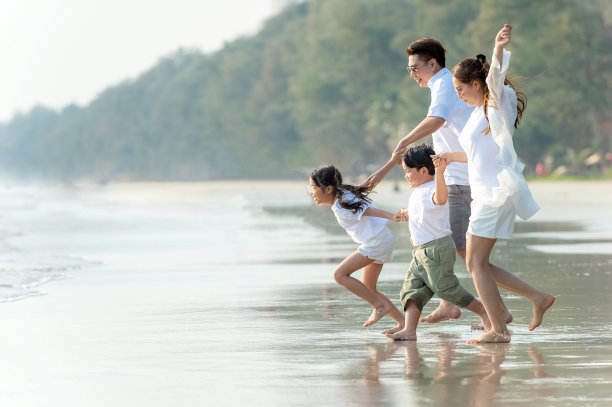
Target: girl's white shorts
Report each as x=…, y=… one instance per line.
x=379, y=248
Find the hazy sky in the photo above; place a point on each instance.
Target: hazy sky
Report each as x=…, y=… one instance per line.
x=57, y=52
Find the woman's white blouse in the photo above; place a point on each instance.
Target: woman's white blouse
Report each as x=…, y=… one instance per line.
x=494, y=170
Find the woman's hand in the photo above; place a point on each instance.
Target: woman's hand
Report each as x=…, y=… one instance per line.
x=503, y=36
x=440, y=161
x=443, y=156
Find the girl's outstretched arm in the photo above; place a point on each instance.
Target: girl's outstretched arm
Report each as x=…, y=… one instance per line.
x=374, y=179
x=401, y=215
x=379, y=213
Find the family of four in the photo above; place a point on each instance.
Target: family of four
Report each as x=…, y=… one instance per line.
x=468, y=190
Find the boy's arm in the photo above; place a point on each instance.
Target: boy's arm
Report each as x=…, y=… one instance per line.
x=379, y=213
x=441, y=194
x=382, y=172
x=427, y=126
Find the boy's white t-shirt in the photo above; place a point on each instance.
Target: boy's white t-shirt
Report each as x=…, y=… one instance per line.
x=426, y=220
x=360, y=228
x=446, y=104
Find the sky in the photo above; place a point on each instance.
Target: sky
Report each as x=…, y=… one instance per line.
x=57, y=52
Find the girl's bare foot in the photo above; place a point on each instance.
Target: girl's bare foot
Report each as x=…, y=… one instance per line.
x=403, y=335
x=509, y=318
x=539, y=308
x=393, y=330
x=445, y=311
x=377, y=314
x=491, y=337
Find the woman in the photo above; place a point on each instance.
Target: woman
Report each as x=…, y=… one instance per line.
x=499, y=191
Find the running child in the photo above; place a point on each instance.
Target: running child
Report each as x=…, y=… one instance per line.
x=433, y=257
x=366, y=224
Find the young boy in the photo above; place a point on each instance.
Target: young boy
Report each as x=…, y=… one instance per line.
x=433, y=260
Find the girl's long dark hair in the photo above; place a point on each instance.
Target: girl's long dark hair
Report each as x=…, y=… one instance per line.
x=330, y=176
x=477, y=69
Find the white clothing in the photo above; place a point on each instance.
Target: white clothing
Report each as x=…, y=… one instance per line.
x=481, y=152
x=446, y=104
x=495, y=174
x=492, y=222
x=379, y=248
x=360, y=228
x=426, y=220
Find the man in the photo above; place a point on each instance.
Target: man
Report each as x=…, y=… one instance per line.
x=445, y=119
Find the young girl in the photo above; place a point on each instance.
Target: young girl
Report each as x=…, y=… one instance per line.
x=366, y=224
x=499, y=191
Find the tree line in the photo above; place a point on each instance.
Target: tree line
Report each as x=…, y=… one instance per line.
x=325, y=82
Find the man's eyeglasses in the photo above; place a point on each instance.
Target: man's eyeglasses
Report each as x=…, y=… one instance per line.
x=415, y=69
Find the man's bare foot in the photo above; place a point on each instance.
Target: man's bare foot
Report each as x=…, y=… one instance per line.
x=509, y=318
x=491, y=337
x=445, y=311
x=403, y=335
x=377, y=314
x=539, y=308
x=393, y=330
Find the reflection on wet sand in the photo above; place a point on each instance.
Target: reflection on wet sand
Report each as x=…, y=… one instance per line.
x=442, y=373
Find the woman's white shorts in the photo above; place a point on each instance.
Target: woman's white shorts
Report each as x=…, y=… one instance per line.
x=491, y=222
x=379, y=248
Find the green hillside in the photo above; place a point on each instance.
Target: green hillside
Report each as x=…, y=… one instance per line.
x=325, y=82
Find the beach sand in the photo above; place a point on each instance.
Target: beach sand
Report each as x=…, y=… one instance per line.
x=164, y=320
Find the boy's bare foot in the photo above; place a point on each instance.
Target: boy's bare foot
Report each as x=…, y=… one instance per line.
x=403, y=335
x=491, y=337
x=445, y=311
x=509, y=318
x=393, y=330
x=539, y=308
x=377, y=314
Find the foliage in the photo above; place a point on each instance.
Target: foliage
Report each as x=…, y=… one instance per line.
x=325, y=82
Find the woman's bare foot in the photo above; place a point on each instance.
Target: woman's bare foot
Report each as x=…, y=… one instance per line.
x=539, y=308
x=491, y=337
x=377, y=314
x=403, y=335
x=509, y=318
x=445, y=311
x=393, y=330
x=486, y=324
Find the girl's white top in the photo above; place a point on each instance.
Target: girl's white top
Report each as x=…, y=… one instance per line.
x=360, y=228
x=426, y=220
x=495, y=173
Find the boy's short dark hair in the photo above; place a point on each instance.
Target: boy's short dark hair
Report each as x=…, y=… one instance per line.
x=428, y=48
x=419, y=157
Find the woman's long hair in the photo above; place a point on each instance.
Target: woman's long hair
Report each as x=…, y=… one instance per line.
x=330, y=176
x=477, y=69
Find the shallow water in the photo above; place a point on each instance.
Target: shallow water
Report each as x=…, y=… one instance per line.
x=222, y=294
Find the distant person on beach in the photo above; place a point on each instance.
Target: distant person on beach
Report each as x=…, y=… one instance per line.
x=446, y=117
x=366, y=225
x=499, y=190
x=433, y=257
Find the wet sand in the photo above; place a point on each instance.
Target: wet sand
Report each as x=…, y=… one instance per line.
x=210, y=297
